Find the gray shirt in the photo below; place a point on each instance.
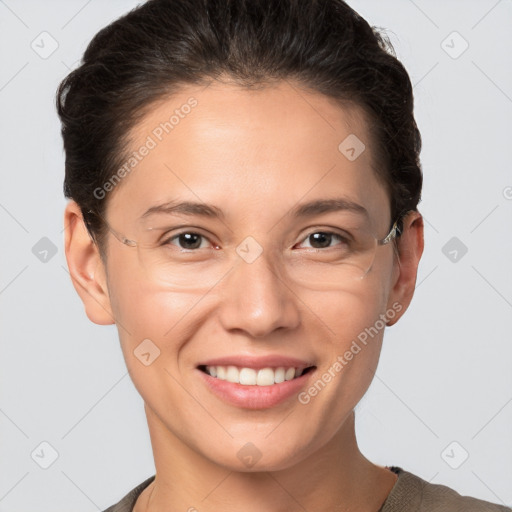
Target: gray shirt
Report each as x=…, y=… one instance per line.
x=409, y=494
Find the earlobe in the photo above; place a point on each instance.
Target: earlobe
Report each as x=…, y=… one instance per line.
x=86, y=268
x=410, y=249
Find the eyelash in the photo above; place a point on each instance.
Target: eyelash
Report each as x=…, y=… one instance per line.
x=339, y=236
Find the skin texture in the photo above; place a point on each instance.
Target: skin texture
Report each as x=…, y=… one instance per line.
x=254, y=154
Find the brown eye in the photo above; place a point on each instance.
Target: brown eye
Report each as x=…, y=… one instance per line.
x=323, y=239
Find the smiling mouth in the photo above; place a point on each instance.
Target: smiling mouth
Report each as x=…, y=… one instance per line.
x=255, y=377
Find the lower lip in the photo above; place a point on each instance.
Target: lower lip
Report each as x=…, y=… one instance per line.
x=255, y=397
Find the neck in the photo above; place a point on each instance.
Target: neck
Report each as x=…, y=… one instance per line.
x=337, y=477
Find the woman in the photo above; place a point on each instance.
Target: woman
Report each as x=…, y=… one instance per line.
x=244, y=179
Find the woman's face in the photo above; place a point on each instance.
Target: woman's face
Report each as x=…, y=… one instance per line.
x=250, y=285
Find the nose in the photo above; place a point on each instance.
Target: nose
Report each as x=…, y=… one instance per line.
x=257, y=299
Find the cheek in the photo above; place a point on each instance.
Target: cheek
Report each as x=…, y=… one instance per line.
x=148, y=318
x=143, y=308
x=344, y=314
x=153, y=328
x=354, y=323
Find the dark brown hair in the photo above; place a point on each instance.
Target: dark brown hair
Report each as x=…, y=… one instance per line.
x=162, y=45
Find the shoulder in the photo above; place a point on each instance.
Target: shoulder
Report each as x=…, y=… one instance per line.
x=128, y=501
x=411, y=492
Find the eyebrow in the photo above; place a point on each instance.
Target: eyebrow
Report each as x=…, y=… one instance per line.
x=327, y=206
x=302, y=210
x=186, y=208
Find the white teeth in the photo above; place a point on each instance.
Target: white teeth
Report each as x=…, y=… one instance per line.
x=251, y=377
x=266, y=377
x=290, y=373
x=232, y=374
x=279, y=375
x=247, y=376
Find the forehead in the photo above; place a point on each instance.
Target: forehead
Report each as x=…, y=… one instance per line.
x=264, y=147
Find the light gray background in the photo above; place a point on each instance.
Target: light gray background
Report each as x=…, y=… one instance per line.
x=445, y=370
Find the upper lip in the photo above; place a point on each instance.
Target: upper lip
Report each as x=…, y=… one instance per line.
x=256, y=362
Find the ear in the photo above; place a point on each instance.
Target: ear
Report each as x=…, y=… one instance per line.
x=86, y=268
x=410, y=248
